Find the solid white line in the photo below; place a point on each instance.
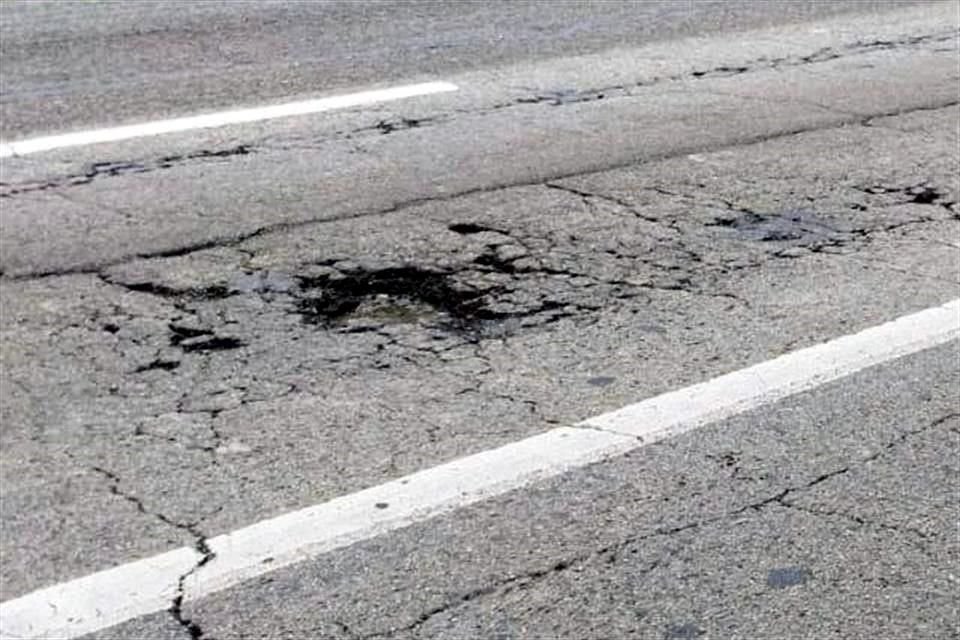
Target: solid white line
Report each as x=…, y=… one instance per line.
x=221, y=118
x=101, y=600
x=733, y=393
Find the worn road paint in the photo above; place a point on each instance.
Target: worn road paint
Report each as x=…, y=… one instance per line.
x=107, y=598
x=221, y=118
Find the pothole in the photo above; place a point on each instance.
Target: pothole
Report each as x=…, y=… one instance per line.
x=405, y=294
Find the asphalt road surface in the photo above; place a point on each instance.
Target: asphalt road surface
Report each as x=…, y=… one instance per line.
x=74, y=64
x=643, y=324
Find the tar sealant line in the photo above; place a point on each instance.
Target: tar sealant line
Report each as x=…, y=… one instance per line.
x=221, y=118
x=110, y=597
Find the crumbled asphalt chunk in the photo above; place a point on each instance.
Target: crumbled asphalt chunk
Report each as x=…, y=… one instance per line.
x=922, y=193
x=190, y=339
x=470, y=228
x=179, y=333
x=210, y=343
x=158, y=364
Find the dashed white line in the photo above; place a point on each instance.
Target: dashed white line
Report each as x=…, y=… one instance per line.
x=221, y=118
x=107, y=598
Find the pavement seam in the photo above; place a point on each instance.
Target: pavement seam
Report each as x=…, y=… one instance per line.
x=269, y=229
x=99, y=170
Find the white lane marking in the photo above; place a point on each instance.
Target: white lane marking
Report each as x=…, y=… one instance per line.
x=103, y=599
x=733, y=393
x=221, y=118
x=93, y=602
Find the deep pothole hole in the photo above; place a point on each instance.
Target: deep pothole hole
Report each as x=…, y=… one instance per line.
x=404, y=294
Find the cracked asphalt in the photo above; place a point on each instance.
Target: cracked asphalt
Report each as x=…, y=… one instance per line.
x=203, y=331
x=66, y=61
x=725, y=532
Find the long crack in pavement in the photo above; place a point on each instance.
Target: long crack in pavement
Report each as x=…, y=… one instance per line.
x=608, y=553
x=192, y=528
x=555, y=98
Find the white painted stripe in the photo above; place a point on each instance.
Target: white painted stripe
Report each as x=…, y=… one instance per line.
x=110, y=597
x=99, y=600
x=221, y=118
x=730, y=394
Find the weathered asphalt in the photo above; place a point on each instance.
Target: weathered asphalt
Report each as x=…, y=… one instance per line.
x=219, y=327
x=69, y=65
x=723, y=533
